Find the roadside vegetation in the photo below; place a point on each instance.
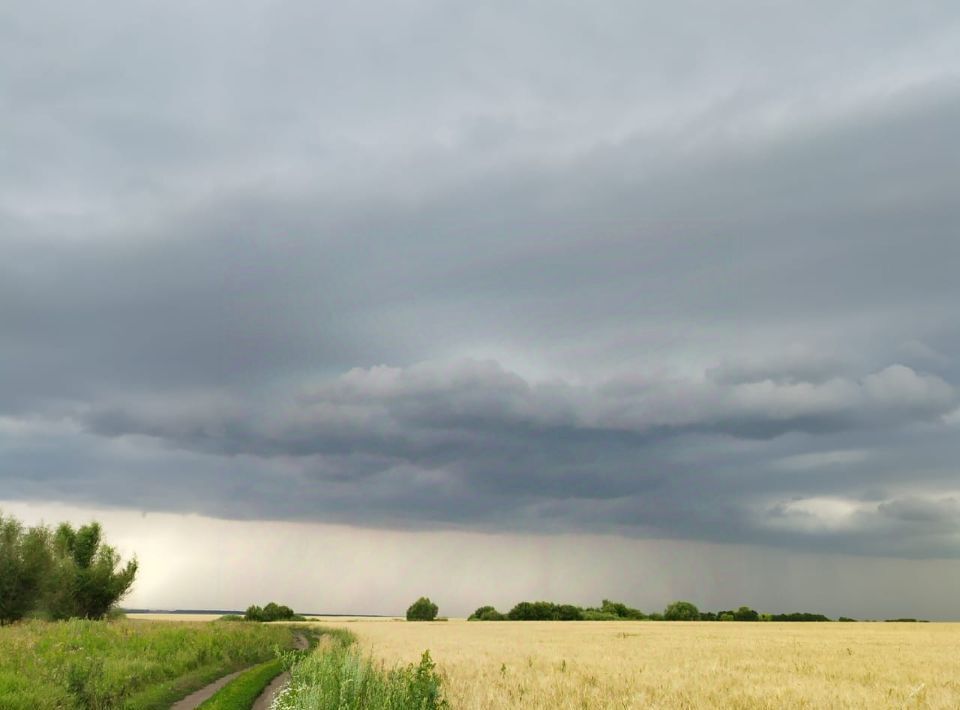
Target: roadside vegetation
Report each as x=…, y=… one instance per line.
x=343, y=678
x=94, y=665
x=617, y=611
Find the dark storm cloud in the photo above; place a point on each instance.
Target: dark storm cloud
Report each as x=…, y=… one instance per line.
x=665, y=269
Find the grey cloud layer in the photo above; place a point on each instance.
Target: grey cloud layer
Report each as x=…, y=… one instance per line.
x=427, y=407
x=663, y=268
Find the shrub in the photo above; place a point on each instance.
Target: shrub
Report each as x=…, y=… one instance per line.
x=681, y=611
x=422, y=610
x=478, y=614
x=486, y=613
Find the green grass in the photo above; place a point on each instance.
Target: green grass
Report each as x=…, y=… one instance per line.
x=341, y=678
x=243, y=691
x=139, y=665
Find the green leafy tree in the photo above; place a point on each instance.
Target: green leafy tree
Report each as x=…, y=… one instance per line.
x=69, y=573
x=681, y=611
x=86, y=579
x=569, y=612
x=620, y=610
x=24, y=563
x=422, y=610
x=745, y=613
x=493, y=615
x=534, y=611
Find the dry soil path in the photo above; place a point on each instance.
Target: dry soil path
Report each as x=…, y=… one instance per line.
x=192, y=701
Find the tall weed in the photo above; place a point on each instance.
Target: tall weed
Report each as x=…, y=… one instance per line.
x=341, y=678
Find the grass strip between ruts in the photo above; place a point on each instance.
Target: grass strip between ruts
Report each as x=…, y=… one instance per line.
x=242, y=692
x=163, y=695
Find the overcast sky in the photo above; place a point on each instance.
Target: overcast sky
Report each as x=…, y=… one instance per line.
x=610, y=277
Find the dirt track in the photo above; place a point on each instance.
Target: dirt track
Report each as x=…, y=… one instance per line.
x=193, y=700
x=196, y=698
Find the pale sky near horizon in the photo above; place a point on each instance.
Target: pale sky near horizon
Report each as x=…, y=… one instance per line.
x=532, y=287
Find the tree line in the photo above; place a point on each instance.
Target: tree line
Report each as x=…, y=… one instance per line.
x=618, y=611
x=59, y=573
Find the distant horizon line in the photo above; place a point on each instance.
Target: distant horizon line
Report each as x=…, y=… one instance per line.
x=239, y=611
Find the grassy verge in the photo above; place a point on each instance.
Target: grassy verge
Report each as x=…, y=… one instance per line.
x=140, y=665
x=341, y=678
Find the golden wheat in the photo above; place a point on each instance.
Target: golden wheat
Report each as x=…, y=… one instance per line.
x=489, y=665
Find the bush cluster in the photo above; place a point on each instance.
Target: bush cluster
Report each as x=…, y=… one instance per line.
x=59, y=574
x=271, y=612
x=422, y=610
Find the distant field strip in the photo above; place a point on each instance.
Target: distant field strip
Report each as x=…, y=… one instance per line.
x=546, y=665
x=87, y=665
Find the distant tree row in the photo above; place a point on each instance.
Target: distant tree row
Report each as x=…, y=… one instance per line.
x=59, y=574
x=271, y=612
x=617, y=611
x=549, y=611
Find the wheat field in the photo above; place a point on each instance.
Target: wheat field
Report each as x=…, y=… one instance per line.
x=489, y=665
